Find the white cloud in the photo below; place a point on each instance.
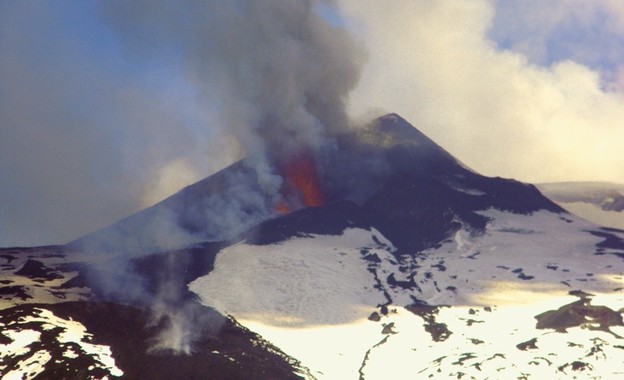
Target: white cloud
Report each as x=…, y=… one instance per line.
x=496, y=110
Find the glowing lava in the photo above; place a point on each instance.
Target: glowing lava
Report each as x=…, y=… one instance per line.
x=302, y=185
x=282, y=207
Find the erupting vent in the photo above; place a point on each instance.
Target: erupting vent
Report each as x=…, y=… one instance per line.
x=302, y=186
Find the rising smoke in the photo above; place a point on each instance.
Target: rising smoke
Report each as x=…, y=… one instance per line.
x=278, y=71
x=278, y=75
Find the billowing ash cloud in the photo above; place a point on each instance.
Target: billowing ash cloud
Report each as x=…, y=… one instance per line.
x=276, y=71
x=108, y=107
x=277, y=74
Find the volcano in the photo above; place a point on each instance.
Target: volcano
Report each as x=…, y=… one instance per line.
x=380, y=256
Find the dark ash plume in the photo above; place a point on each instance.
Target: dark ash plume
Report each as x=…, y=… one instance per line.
x=278, y=71
x=278, y=75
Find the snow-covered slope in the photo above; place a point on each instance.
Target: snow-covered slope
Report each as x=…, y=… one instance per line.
x=530, y=296
x=310, y=295
x=57, y=323
x=411, y=266
x=36, y=338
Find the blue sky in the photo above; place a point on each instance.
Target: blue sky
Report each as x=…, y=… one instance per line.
x=548, y=32
x=103, y=109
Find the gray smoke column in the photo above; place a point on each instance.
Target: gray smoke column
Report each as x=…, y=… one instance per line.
x=278, y=74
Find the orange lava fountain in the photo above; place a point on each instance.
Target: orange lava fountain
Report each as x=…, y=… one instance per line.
x=302, y=183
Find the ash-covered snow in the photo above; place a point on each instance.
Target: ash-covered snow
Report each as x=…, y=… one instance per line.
x=36, y=275
x=497, y=303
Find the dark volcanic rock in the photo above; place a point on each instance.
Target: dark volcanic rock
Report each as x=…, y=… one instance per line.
x=429, y=194
x=613, y=242
x=413, y=214
x=330, y=219
x=388, y=175
x=241, y=353
x=439, y=331
x=232, y=353
x=14, y=292
x=66, y=359
x=388, y=329
x=579, y=313
x=8, y=258
x=82, y=280
x=528, y=345
x=410, y=284
x=36, y=270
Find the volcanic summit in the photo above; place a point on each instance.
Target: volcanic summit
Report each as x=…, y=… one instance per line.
x=379, y=255
x=397, y=178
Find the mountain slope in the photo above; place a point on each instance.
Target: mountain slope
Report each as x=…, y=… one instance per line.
x=399, y=177
x=530, y=295
x=412, y=265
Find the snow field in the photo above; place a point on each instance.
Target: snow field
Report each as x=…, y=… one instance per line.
x=311, y=296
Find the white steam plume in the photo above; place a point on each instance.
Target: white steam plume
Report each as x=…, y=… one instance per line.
x=538, y=105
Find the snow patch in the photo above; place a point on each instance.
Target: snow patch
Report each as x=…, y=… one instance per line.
x=465, y=309
x=71, y=335
x=299, y=282
x=311, y=297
